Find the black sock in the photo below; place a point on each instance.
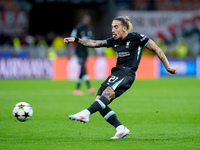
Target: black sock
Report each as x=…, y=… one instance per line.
x=88, y=83
x=87, y=80
x=78, y=86
x=78, y=83
x=99, y=104
x=110, y=117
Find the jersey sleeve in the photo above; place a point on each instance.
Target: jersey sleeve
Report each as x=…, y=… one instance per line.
x=144, y=40
x=109, y=42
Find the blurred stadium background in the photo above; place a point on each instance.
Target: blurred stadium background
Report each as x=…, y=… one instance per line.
x=32, y=32
x=161, y=114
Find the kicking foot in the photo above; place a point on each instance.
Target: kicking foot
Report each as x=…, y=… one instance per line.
x=82, y=116
x=121, y=133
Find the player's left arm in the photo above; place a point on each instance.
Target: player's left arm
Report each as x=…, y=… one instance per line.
x=152, y=46
x=85, y=42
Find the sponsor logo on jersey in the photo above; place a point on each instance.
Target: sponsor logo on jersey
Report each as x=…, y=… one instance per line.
x=123, y=54
x=144, y=37
x=116, y=45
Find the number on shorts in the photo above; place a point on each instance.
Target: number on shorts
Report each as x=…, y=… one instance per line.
x=112, y=79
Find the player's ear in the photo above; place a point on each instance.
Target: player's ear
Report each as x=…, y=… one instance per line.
x=124, y=28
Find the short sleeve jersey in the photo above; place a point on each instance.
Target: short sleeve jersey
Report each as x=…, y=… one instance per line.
x=129, y=50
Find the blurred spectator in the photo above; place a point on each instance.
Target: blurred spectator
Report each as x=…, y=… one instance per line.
x=59, y=46
x=182, y=48
x=41, y=45
x=30, y=40
x=50, y=37
x=109, y=52
x=161, y=43
x=52, y=53
x=16, y=43
x=58, y=43
x=40, y=41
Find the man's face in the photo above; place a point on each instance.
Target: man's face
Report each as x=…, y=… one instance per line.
x=118, y=30
x=86, y=20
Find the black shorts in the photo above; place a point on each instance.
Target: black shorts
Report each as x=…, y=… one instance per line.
x=82, y=54
x=120, y=80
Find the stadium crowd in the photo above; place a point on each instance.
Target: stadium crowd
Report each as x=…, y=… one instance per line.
x=51, y=44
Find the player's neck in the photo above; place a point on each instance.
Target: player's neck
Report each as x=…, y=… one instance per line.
x=124, y=35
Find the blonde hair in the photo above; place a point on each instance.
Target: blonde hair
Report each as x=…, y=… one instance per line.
x=125, y=22
x=130, y=26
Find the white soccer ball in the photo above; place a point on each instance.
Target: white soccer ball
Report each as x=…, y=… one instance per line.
x=22, y=111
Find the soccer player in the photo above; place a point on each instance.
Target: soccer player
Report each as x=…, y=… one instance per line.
x=83, y=31
x=129, y=51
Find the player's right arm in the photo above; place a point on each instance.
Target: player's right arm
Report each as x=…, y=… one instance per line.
x=86, y=42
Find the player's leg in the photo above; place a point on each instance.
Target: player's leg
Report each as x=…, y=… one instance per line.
x=120, y=87
x=80, y=78
x=99, y=104
x=85, y=75
x=77, y=91
x=107, y=94
x=120, y=82
x=102, y=102
x=109, y=115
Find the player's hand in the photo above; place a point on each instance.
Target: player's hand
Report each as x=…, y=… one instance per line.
x=69, y=40
x=172, y=70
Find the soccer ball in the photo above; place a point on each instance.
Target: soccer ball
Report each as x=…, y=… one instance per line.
x=22, y=111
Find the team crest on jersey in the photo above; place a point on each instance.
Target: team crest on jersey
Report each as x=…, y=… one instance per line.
x=127, y=44
x=143, y=37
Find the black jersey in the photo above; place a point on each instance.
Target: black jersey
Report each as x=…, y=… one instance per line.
x=129, y=50
x=82, y=32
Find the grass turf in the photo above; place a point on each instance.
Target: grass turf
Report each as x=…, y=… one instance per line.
x=161, y=114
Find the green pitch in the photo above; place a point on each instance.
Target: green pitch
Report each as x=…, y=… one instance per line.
x=161, y=114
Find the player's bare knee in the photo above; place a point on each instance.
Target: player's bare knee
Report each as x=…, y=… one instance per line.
x=109, y=93
x=97, y=97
